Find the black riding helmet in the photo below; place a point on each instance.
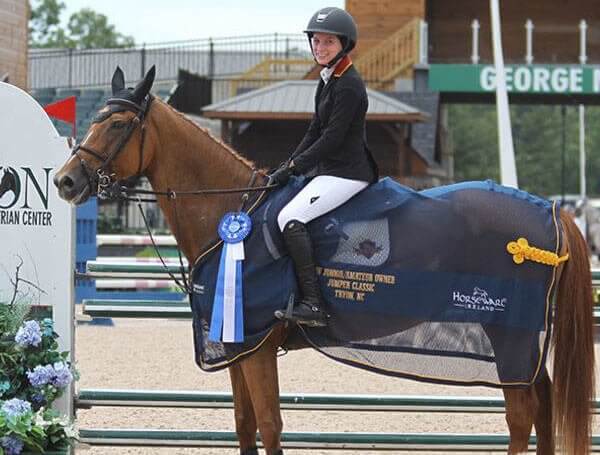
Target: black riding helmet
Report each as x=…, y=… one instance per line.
x=337, y=22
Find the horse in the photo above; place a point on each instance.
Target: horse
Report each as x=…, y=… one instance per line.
x=136, y=135
x=7, y=183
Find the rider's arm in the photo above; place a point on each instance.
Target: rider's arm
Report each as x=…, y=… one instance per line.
x=312, y=134
x=346, y=102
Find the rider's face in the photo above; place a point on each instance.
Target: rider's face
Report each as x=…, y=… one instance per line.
x=325, y=47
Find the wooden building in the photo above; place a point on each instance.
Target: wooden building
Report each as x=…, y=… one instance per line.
x=14, y=18
x=555, y=32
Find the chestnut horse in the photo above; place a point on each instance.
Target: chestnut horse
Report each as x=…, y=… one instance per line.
x=135, y=134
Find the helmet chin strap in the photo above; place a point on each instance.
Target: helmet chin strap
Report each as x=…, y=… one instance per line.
x=336, y=59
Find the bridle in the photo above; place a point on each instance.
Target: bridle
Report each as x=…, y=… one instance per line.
x=102, y=181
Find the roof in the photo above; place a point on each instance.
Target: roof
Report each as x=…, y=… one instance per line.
x=294, y=100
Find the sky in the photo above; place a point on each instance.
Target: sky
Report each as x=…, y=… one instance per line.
x=154, y=21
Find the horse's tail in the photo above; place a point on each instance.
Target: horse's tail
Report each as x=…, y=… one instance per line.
x=574, y=376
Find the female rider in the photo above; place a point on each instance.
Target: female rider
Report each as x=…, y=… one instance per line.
x=333, y=151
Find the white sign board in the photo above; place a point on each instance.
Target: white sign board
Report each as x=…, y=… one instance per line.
x=36, y=226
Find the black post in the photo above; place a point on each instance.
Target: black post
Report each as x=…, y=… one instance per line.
x=275, y=53
x=143, y=60
x=287, y=53
x=70, y=67
x=211, y=58
x=563, y=169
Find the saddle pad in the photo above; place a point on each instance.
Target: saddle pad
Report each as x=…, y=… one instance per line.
x=417, y=284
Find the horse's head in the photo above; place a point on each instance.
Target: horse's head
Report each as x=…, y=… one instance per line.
x=113, y=149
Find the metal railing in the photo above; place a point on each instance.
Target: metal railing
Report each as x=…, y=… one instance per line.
x=229, y=56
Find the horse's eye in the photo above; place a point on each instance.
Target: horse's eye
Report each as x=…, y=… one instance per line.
x=118, y=125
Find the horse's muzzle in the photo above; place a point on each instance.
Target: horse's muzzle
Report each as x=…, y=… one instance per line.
x=72, y=185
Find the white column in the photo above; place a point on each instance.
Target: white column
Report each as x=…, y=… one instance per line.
x=582, y=60
x=582, y=42
x=529, y=42
x=423, y=42
x=508, y=169
x=475, y=42
x=582, y=189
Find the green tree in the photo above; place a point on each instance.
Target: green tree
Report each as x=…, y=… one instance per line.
x=475, y=142
x=90, y=29
x=86, y=29
x=44, y=24
x=537, y=135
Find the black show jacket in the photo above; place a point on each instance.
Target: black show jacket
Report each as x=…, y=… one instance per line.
x=335, y=143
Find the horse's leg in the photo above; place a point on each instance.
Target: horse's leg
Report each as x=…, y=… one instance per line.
x=543, y=417
x=245, y=421
x=260, y=374
x=521, y=409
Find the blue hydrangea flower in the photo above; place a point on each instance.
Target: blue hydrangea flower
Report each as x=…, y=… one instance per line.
x=4, y=387
x=38, y=399
x=41, y=375
x=15, y=407
x=48, y=326
x=11, y=445
x=62, y=375
x=29, y=334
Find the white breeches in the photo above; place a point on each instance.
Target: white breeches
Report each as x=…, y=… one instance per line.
x=322, y=194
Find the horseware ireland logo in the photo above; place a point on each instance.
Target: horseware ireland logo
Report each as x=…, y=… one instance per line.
x=478, y=301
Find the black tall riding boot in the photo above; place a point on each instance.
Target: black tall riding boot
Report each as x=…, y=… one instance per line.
x=299, y=245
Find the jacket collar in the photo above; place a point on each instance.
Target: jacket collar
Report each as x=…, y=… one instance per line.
x=342, y=66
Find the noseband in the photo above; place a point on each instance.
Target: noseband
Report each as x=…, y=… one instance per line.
x=102, y=180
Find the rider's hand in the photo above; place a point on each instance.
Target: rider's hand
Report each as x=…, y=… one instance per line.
x=282, y=175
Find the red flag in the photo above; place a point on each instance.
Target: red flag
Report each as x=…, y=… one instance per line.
x=62, y=110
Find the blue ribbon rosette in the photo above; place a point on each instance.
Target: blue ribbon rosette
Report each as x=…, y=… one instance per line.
x=227, y=322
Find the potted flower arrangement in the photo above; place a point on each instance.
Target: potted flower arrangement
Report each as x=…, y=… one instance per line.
x=33, y=374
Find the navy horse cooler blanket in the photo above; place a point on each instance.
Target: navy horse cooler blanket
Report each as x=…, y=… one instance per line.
x=418, y=284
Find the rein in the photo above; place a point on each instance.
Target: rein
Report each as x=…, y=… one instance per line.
x=172, y=195
x=123, y=192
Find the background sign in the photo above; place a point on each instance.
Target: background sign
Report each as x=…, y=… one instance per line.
x=544, y=79
x=36, y=226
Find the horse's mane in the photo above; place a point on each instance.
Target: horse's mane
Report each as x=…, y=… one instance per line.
x=213, y=140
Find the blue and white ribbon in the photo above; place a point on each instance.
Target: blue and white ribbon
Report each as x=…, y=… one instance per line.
x=227, y=322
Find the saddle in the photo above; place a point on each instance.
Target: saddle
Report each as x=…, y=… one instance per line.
x=418, y=284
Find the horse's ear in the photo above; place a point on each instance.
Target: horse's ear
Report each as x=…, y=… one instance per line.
x=118, y=81
x=144, y=86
